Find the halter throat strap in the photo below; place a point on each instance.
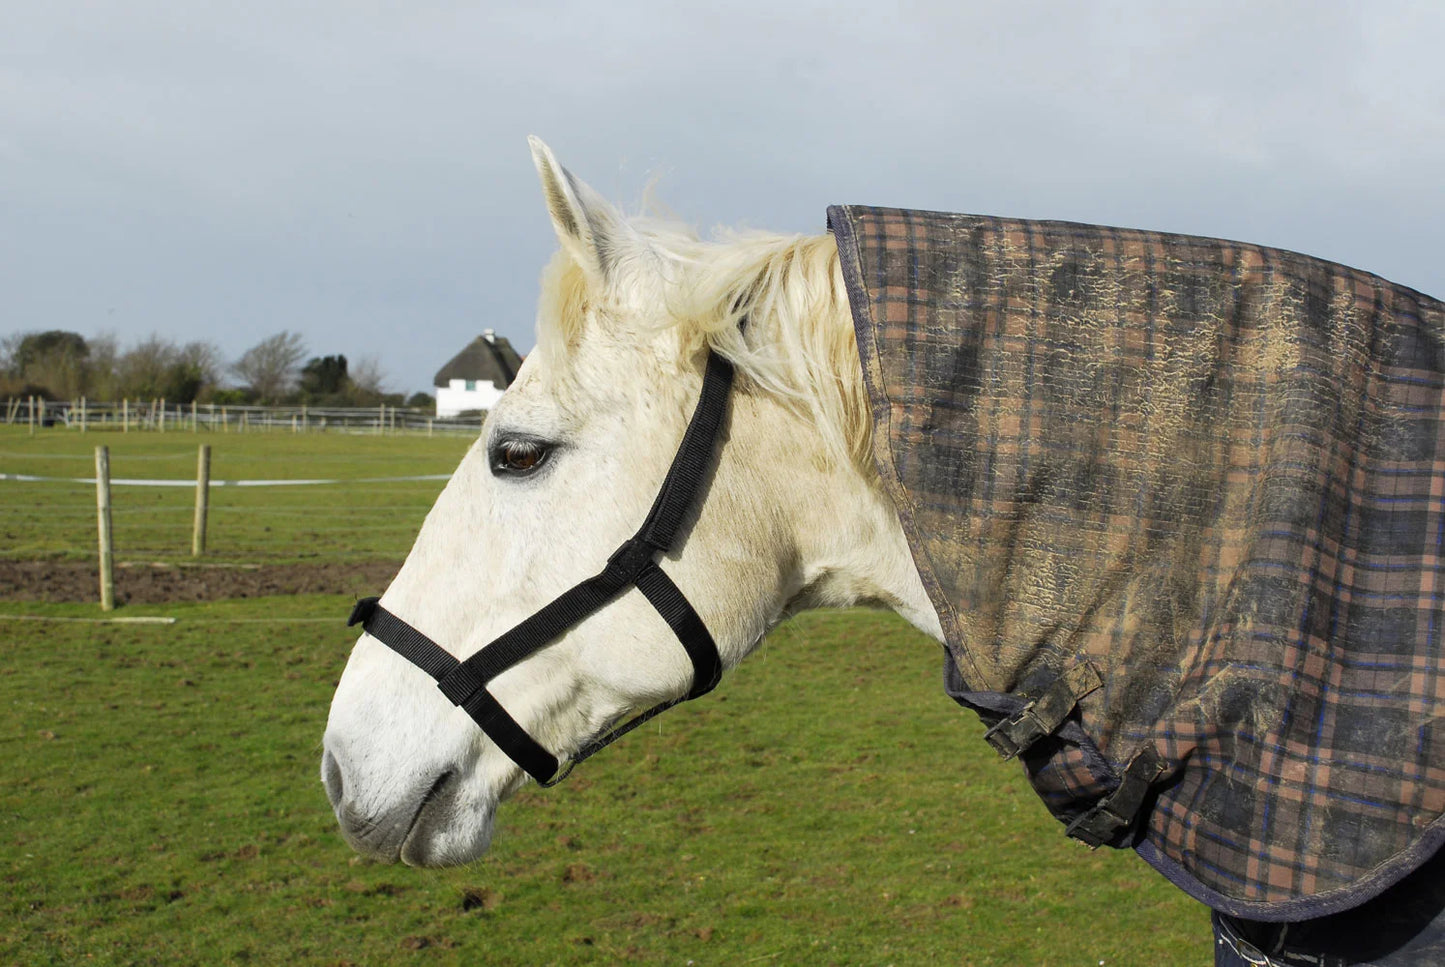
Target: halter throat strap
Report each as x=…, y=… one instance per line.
x=633, y=564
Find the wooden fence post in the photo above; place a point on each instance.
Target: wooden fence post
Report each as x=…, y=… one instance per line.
x=125, y=415
x=203, y=499
x=102, y=511
x=162, y=424
x=32, y=416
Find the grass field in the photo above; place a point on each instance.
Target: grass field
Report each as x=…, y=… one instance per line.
x=159, y=803
x=347, y=522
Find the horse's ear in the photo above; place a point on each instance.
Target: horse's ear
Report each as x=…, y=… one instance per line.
x=588, y=227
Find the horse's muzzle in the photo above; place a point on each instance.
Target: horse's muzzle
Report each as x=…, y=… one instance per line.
x=415, y=829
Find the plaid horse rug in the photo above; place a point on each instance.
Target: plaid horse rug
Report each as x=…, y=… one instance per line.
x=1180, y=506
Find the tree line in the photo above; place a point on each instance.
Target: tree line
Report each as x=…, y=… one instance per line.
x=60, y=365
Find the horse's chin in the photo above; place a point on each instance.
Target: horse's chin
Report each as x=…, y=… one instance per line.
x=441, y=835
x=447, y=840
x=442, y=821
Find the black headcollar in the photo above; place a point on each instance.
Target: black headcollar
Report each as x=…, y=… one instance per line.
x=632, y=564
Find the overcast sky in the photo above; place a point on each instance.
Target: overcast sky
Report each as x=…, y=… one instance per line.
x=358, y=172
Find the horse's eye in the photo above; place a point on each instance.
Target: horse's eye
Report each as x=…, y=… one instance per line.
x=518, y=457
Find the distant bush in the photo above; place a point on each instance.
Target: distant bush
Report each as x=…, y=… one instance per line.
x=60, y=365
x=64, y=365
x=324, y=380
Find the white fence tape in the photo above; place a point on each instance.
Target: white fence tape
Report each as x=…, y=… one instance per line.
x=162, y=620
x=132, y=620
x=145, y=482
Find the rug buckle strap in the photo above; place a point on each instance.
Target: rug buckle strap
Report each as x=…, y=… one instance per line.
x=1103, y=822
x=1044, y=714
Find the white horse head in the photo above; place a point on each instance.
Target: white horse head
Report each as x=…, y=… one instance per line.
x=792, y=515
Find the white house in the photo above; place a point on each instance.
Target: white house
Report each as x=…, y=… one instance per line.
x=475, y=377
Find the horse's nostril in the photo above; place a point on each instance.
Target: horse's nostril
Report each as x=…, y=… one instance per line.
x=331, y=779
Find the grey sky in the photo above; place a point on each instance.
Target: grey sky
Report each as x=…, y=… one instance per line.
x=359, y=172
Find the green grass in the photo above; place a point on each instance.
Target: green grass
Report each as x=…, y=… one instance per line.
x=159, y=800
x=348, y=522
x=827, y=805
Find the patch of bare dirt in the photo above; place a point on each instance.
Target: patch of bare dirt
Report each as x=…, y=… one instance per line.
x=143, y=583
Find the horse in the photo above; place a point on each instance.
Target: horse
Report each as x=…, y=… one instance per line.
x=723, y=393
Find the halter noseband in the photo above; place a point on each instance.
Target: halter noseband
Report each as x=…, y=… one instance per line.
x=634, y=563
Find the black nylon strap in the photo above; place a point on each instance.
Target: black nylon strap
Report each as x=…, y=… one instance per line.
x=1107, y=819
x=658, y=588
x=1045, y=713
x=541, y=627
x=401, y=637
x=431, y=658
x=674, y=499
x=684, y=477
x=510, y=737
x=632, y=564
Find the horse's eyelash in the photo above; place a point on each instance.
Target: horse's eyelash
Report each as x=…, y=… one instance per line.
x=498, y=454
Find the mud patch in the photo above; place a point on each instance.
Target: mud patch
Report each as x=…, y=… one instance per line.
x=62, y=581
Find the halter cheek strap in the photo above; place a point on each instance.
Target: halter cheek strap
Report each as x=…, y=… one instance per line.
x=633, y=564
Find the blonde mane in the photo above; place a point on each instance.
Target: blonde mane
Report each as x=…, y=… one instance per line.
x=798, y=345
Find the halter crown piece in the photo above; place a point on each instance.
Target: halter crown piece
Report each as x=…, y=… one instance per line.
x=633, y=564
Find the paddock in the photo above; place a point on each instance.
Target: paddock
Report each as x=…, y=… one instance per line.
x=827, y=805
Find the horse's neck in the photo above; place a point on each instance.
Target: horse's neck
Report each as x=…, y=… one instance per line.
x=855, y=553
x=852, y=548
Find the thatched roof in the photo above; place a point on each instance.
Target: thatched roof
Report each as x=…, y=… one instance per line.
x=489, y=356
